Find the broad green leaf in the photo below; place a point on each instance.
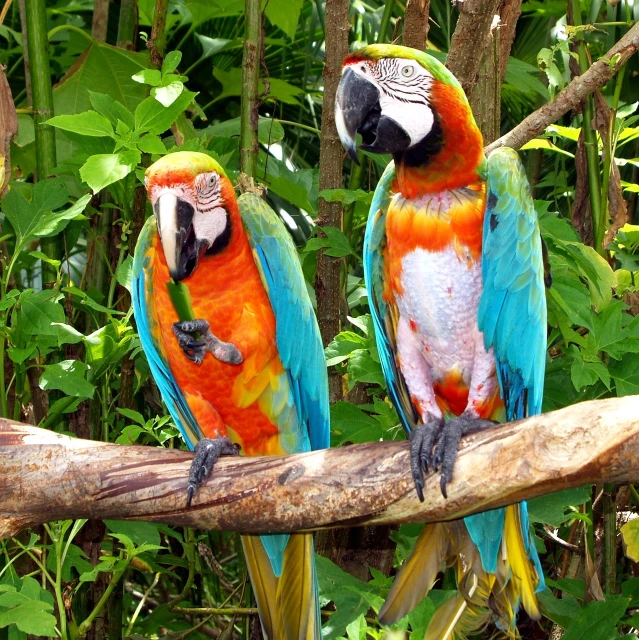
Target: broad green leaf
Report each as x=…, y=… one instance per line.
x=570, y=133
x=346, y=196
x=231, y=81
x=171, y=61
x=349, y=605
x=555, y=508
x=138, y=532
x=167, y=94
x=112, y=109
x=151, y=144
x=338, y=244
x=26, y=131
x=104, y=169
x=349, y=423
x=561, y=611
x=89, y=123
x=625, y=373
x=597, y=620
x=362, y=368
x=75, y=558
x=284, y=15
x=124, y=273
x=544, y=143
x=342, y=346
x=211, y=46
x=69, y=376
x=630, y=535
x=269, y=131
x=53, y=223
x=39, y=312
x=24, y=216
x=32, y=617
x=153, y=117
x=151, y=77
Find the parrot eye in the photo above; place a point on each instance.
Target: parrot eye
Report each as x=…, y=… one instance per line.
x=407, y=71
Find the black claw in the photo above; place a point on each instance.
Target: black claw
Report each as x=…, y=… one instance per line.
x=207, y=453
x=422, y=438
x=448, y=444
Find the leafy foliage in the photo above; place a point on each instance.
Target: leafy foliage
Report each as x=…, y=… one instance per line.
x=72, y=358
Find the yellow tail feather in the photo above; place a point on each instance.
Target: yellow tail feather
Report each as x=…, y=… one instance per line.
x=287, y=605
x=415, y=579
x=524, y=575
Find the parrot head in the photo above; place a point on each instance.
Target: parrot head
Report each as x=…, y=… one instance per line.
x=190, y=195
x=402, y=101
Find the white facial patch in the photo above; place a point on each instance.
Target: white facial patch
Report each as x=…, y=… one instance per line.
x=415, y=118
x=209, y=225
x=404, y=93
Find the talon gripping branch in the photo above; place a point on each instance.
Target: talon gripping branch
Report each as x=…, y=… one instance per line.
x=248, y=370
x=455, y=278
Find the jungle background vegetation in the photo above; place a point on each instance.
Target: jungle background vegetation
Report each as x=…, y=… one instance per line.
x=102, y=89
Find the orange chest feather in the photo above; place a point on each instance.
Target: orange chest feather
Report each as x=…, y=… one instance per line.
x=227, y=292
x=433, y=223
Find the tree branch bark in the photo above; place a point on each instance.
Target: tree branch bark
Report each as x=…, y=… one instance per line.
x=582, y=86
x=46, y=476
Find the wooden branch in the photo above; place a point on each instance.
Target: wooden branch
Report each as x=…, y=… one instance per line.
x=46, y=476
x=582, y=86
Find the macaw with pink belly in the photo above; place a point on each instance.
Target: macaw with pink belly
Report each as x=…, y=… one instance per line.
x=249, y=371
x=455, y=277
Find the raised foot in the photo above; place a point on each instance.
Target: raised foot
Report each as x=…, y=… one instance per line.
x=448, y=443
x=422, y=439
x=207, y=453
x=195, y=339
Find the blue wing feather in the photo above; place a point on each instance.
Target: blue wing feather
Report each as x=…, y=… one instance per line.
x=512, y=317
x=144, y=318
x=298, y=338
x=384, y=317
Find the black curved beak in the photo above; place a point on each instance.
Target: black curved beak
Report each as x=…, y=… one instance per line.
x=175, y=225
x=358, y=110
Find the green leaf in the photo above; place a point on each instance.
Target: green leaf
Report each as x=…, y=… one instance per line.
x=23, y=215
x=269, y=130
x=342, y=346
x=151, y=144
x=231, y=81
x=39, y=312
x=362, y=368
x=38, y=255
x=101, y=170
x=561, y=611
x=26, y=131
x=349, y=604
x=138, y=532
x=597, y=620
x=554, y=509
x=171, y=61
x=630, y=535
x=349, y=423
x=32, y=617
x=167, y=94
x=148, y=76
x=124, y=274
x=54, y=223
x=89, y=123
x=625, y=373
x=284, y=15
x=346, y=196
x=111, y=108
x=151, y=116
x=75, y=558
x=68, y=376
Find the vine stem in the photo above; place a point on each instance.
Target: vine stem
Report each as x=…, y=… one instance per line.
x=42, y=95
x=250, y=86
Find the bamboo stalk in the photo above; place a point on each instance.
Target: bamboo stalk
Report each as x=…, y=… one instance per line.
x=157, y=42
x=385, y=21
x=47, y=476
x=590, y=141
x=41, y=87
x=250, y=86
x=127, y=24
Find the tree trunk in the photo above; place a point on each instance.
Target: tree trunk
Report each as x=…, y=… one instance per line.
x=416, y=25
x=327, y=282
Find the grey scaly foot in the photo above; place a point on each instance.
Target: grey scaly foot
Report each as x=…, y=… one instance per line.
x=207, y=453
x=195, y=339
x=448, y=443
x=422, y=439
